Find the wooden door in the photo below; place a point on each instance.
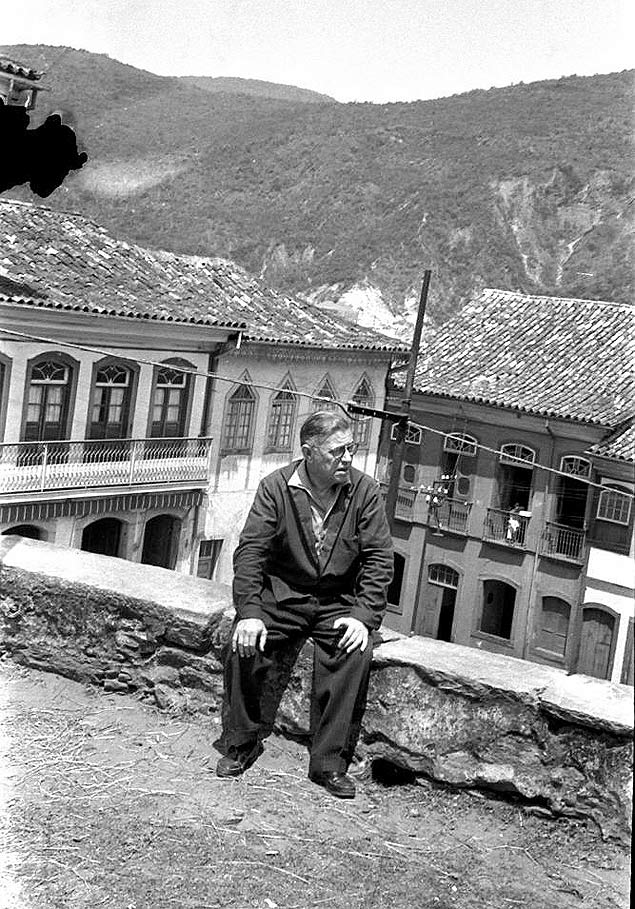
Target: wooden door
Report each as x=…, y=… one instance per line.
x=596, y=643
x=429, y=610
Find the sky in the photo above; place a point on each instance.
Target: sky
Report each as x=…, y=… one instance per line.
x=352, y=50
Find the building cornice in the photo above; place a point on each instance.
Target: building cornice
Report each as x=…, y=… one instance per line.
x=111, y=330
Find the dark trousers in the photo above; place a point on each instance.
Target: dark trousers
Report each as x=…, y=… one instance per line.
x=339, y=687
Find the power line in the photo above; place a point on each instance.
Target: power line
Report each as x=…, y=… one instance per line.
x=232, y=380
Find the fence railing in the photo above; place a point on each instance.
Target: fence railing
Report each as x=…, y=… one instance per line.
x=560, y=541
x=506, y=527
x=450, y=514
x=406, y=498
x=44, y=466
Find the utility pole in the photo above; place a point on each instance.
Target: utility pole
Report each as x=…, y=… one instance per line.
x=402, y=426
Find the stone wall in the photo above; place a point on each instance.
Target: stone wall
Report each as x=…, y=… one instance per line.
x=562, y=744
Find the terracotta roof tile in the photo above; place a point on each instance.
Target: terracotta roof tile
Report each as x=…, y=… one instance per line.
x=619, y=445
x=69, y=262
x=552, y=356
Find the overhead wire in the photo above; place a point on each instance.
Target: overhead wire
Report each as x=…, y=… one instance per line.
x=233, y=380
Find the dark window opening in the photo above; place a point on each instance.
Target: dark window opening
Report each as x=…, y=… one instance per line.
x=103, y=537
x=30, y=531
x=571, y=499
x=161, y=541
x=394, y=591
x=497, y=614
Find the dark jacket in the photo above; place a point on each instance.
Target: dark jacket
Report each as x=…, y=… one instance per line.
x=276, y=559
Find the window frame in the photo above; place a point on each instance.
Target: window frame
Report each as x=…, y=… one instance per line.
x=275, y=445
x=516, y=460
x=247, y=448
x=615, y=490
x=133, y=371
x=6, y=365
x=321, y=405
x=414, y=435
x=447, y=569
x=187, y=390
x=469, y=449
x=73, y=367
x=361, y=424
x=577, y=475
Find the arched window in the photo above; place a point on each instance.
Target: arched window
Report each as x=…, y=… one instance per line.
x=325, y=390
x=170, y=401
x=239, y=418
x=458, y=464
x=30, y=531
x=361, y=425
x=110, y=405
x=48, y=400
x=281, y=419
x=517, y=455
x=461, y=444
x=554, y=625
x=443, y=575
x=514, y=477
x=576, y=466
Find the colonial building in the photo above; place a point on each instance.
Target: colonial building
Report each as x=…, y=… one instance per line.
x=503, y=541
x=144, y=394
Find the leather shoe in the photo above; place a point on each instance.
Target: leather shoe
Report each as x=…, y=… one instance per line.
x=337, y=783
x=237, y=760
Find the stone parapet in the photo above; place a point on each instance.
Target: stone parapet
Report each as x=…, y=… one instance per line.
x=559, y=743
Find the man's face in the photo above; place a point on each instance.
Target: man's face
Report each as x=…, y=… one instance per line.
x=329, y=463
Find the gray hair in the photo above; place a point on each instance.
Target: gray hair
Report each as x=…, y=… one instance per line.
x=322, y=424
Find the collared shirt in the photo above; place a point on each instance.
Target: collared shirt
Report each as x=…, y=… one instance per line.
x=320, y=512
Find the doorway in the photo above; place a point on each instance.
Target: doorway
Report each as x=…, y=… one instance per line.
x=161, y=541
x=596, y=643
x=103, y=537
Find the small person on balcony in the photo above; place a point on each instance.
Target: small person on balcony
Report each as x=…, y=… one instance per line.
x=514, y=524
x=314, y=560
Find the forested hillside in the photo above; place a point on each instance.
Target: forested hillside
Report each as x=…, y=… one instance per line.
x=526, y=187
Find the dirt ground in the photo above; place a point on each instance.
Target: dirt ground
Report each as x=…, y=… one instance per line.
x=107, y=802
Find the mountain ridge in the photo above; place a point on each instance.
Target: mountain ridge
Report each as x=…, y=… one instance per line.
x=523, y=188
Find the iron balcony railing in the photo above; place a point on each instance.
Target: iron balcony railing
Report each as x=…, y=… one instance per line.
x=507, y=527
x=406, y=498
x=45, y=466
x=562, y=542
x=450, y=514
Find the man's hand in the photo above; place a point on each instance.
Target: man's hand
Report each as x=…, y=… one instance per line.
x=356, y=634
x=249, y=635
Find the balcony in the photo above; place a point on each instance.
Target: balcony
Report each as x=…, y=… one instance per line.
x=451, y=515
x=505, y=527
x=561, y=542
x=406, y=498
x=44, y=467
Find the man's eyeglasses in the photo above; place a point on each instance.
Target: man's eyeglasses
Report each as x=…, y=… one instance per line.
x=338, y=453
